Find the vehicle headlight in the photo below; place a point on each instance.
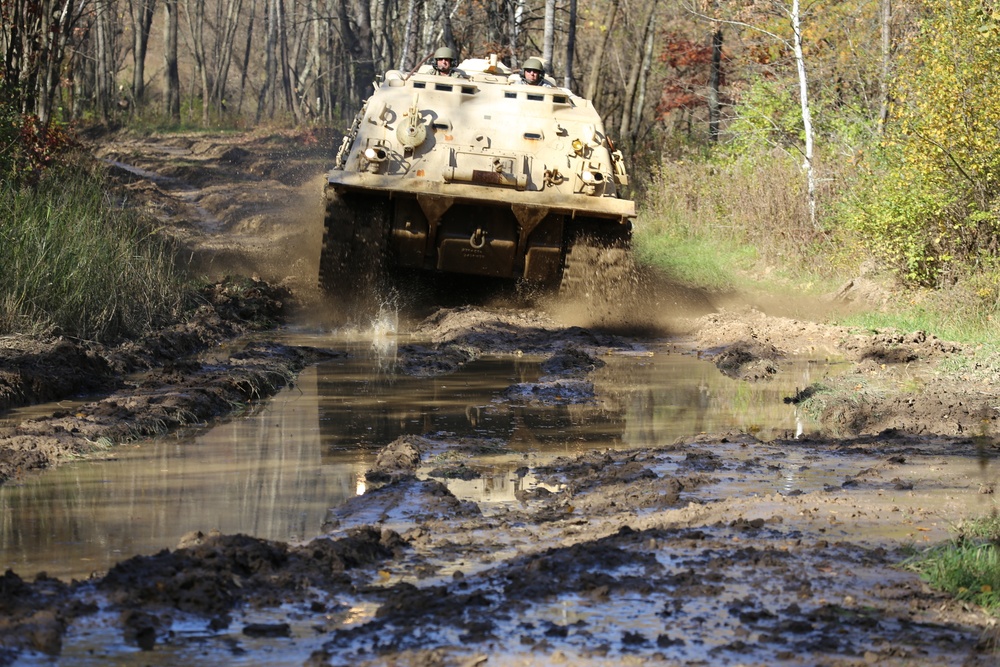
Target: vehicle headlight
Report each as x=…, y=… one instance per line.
x=593, y=182
x=375, y=154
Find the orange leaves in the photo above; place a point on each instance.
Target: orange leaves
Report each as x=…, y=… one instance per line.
x=690, y=62
x=680, y=52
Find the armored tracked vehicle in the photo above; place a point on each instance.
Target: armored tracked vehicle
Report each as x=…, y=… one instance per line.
x=473, y=174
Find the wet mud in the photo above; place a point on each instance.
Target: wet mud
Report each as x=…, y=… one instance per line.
x=716, y=549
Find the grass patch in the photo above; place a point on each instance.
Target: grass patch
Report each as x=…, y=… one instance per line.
x=720, y=224
x=74, y=263
x=959, y=313
x=692, y=260
x=968, y=566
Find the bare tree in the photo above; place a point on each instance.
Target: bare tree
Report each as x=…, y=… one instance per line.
x=639, y=67
x=640, y=102
x=141, y=12
x=34, y=37
x=356, y=38
x=594, y=80
x=194, y=11
x=570, y=44
x=264, y=102
x=245, y=69
x=229, y=24
x=171, y=30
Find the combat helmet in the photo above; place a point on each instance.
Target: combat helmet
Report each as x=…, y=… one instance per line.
x=445, y=52
x=534, y=63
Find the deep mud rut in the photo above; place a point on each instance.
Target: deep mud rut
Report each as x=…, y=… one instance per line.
x=718, y=549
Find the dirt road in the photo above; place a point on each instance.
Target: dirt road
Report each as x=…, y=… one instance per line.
x=684, y=553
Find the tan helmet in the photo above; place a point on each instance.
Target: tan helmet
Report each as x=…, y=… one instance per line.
x=534, y=63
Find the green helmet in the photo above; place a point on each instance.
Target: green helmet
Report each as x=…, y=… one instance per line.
x=534, y=63
x=445, y=52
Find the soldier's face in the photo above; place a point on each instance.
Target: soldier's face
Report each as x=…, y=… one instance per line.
x=443, y=64
x=533, y=76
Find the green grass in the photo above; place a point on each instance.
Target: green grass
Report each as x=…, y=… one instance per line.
x=73, y=262
x=952, y=315
x=691, y=260
x=968, y=566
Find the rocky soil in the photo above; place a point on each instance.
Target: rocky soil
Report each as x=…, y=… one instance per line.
x=686, y=553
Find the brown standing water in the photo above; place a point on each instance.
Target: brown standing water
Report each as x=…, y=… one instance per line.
x=275, y=472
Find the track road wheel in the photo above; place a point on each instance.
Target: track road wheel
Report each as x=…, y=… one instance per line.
x=353, y=260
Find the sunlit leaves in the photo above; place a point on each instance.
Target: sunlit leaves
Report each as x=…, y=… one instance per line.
x=932, y=194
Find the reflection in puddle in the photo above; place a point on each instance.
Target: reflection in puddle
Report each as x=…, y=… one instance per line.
x=275, y=473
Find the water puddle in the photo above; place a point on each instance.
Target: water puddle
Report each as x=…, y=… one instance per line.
x=275, y=473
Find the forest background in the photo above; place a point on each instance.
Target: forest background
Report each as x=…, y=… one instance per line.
x=802, y=141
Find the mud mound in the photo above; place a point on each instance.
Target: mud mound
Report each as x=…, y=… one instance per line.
x=747, y=360
x=208, y=579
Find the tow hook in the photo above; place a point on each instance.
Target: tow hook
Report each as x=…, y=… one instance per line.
x=478, y=239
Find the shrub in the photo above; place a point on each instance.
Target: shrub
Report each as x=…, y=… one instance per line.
x=929, y=197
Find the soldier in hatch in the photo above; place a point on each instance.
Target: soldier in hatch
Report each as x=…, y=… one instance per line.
x=533, y=73
x=443, y=63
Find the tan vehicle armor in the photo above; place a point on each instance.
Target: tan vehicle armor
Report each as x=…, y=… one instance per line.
x=471, y=174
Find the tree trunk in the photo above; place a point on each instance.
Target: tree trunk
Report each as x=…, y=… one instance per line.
x=101, y=58
x=173, y=108
x=570, y=46
x=638, y=67
x=800, y=63
x=410, y=45
x=283, y=62
x=264, y=101
x=886, y=21
x=640, y=102
x=59, y=30
x=515, y=10
x=714, y=83
x=549, y=34
x=142, y=22
x=246, y=55
x=194, y=12
x=594, y=82
x=226, y=45
x=356, y=34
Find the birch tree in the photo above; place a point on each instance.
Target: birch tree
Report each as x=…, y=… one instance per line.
x=793, y=16
x=549, y=32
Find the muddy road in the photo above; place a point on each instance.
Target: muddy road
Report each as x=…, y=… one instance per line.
x=752, y=546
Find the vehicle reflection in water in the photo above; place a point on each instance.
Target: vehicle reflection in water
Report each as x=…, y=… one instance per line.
x=274, y=473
